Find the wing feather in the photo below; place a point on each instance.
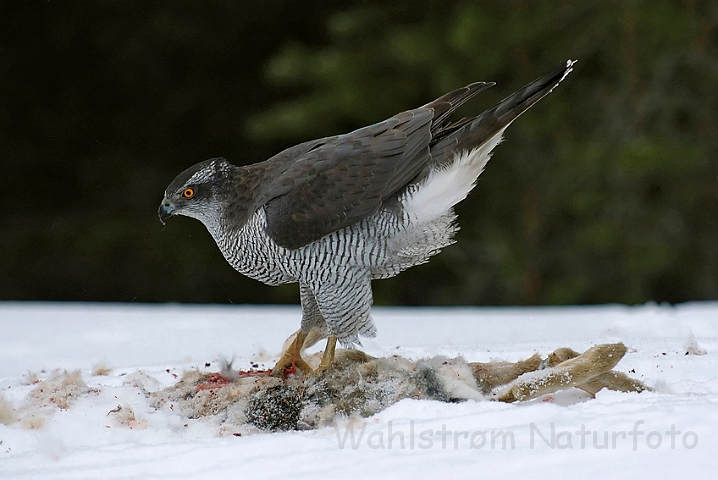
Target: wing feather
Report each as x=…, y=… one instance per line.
x=345, y=179
x=331, y=183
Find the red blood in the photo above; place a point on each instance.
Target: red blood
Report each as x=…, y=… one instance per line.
x=215, y=380
x=252, y=372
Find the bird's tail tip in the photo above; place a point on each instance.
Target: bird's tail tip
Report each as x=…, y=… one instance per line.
x=569, y=68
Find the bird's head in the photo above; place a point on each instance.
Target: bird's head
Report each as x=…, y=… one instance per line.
x=193, y=193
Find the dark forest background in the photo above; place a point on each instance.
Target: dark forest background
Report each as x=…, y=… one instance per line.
x=606, y=191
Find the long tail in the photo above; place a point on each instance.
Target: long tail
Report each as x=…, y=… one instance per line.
x=461, y=149
x=472, y=132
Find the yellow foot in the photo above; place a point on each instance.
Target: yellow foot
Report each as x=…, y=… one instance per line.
x=328, y=356
x=291, y=359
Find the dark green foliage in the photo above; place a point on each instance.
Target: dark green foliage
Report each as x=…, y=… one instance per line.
x=606, y=191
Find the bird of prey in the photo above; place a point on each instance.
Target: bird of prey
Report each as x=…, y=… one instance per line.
x=335, y=213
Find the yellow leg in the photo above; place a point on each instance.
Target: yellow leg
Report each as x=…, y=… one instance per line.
x=328, y=356
x=292, y=358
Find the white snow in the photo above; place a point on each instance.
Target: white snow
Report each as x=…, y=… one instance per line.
x=676, y=427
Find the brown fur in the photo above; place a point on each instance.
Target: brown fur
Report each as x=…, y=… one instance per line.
x=590, y=371
x=362, y=385
x=8, y=414
x=494, y=374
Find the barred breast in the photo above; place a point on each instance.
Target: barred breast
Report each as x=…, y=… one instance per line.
x=384, y=244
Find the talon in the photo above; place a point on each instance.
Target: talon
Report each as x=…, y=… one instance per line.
x=291, y=359
x=328, y=356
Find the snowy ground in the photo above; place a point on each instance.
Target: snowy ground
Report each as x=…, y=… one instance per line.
x=667, y=433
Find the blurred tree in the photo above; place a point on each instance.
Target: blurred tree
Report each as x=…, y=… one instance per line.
x=607, y=191
x=102, y=104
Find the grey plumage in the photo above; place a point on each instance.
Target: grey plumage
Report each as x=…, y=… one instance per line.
x=335, y=213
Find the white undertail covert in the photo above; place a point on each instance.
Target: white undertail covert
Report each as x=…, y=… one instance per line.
x=448, y=184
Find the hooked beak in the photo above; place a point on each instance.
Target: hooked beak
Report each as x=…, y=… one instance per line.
x=166, y=210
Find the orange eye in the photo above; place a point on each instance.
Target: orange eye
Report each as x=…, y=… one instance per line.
x=188, y=193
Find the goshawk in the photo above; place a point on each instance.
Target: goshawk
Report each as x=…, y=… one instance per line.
x=335, y=213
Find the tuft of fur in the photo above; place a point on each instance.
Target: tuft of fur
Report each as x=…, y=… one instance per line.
x=143, y=381
x=226, y=370
x=30, y=378
x=691, y=346
x=124, y=415
x=101, y=369
x=60, y=390
x=8, y=414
